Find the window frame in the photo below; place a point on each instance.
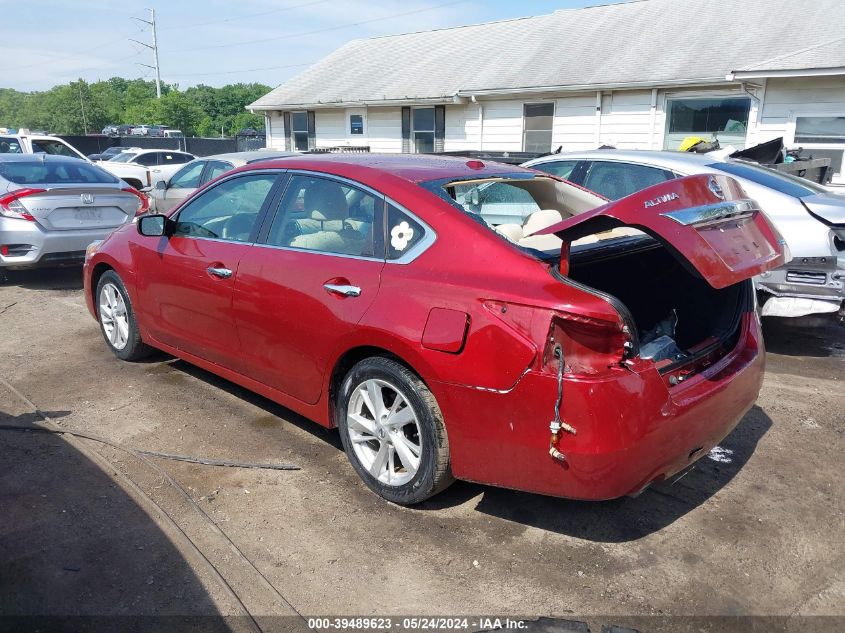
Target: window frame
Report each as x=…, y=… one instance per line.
x=551, y=102
x=265, y=210
x=363, y=132
x=790, y=142
x=702, y=96
x=428, y=239
x=432, y=131
x=294, y=131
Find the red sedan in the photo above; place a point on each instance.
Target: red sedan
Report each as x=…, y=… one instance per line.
x=608, y=349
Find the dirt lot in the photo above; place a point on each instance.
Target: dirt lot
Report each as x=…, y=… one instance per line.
x=758, y=528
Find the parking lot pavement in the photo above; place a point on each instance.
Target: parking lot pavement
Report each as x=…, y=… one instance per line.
x=756, y=528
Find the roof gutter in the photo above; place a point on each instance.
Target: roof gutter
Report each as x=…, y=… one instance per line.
x=445, y=100
x=738, y=75
x=720, y=81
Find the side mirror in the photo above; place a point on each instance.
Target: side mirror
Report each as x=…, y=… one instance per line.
x=152, y=225
x=161, y=185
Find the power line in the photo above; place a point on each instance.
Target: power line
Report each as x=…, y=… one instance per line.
x=240, y=70
x=244, y=17
x=324, y=30
x=69, y=55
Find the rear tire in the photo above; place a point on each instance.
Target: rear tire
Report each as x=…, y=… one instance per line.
x=117, y=319
x=393, y=432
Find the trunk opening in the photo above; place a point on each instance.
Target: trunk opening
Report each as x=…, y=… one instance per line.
x=677, y=316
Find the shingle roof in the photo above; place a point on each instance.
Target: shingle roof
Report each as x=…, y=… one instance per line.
x=648, y=42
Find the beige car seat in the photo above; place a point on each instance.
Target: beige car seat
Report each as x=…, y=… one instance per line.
x=325, y=227
x=524, y=235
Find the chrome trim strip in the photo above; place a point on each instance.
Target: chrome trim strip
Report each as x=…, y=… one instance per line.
x=712, y=213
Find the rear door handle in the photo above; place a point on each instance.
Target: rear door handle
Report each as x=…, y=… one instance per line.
x=223, y=273
x=343, y=290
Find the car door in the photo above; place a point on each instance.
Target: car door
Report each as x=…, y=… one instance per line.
x=308, y=281
x=616, y=179
x=182, y=184
x=185, y=280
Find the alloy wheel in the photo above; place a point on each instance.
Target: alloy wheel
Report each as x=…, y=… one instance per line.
x=384, y=431
x=113, y=316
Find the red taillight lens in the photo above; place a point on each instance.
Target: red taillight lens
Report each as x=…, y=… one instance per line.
x=11, y=207
x=143, y=201
x=590, y=346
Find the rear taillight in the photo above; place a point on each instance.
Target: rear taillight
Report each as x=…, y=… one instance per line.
x=143, y=201
x=590, y=346
x=12, y=207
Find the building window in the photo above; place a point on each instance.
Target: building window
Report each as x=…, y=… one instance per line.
x=422, y=130
x=299, y=131
x=724, y=119
x=538, y=120
x=822, y=137
x=356, y=124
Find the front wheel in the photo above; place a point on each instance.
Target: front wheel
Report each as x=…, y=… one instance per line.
x=393, y=431
x=117, y=319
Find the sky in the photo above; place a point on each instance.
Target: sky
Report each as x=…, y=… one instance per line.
x=215, y=42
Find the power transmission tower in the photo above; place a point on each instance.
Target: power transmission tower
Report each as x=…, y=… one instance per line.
x=154, y=47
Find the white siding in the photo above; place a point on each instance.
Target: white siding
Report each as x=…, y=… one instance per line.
x=384, y=129
x=575, y=122
x=276, y=138
x=462, y=128
x=330, y=127
x=626, y=119
x=805, y=95
x=502, y=126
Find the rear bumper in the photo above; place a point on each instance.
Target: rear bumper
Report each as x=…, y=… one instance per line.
x=631, y=428
x=31, y=246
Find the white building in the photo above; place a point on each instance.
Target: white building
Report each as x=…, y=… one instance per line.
x=637, y=75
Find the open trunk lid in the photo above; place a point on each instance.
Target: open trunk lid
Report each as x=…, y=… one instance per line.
x=707, y=220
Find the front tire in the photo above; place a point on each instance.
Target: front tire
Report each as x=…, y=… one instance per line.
x=117, y=319
x=393, y=431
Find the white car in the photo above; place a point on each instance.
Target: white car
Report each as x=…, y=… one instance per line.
x=25, y=143
x=144, y=168
x=810, y=217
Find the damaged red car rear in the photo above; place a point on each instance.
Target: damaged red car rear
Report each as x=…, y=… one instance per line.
x=609, y=349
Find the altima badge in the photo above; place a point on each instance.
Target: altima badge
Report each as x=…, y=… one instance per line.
x=87, y=198
x=661, y=199
x=716, y=188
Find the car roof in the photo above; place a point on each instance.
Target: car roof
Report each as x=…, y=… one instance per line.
x=242, y=158
x=668, y=159
x=411, y=167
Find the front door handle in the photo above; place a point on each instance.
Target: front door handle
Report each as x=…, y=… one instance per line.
x=223, y=273
x=343, y=290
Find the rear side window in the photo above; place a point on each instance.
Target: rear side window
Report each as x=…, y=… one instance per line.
x=215, y=168
x=616, y=180
x=784, y=183
x=38, y=172
x=560, y=168
x=53, y=147
x=174, y=158
x=403, y=232
x=10, y=146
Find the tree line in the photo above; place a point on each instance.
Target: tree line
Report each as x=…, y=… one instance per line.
x=80, y=107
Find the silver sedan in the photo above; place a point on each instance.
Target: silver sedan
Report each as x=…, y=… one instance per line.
x=53, y=207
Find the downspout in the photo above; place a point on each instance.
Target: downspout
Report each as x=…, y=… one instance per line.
x=268, y=130
x=480, y=122
x=598, y=118
x=653, y=117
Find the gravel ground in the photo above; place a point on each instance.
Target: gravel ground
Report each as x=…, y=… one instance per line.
x=757, y=528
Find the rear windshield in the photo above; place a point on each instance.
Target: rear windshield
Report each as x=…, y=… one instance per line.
x=124, y=157
x=784, y=183
x=42, y=173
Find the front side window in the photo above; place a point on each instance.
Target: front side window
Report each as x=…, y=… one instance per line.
x=538, y=119
x=724, y=119
x=147, y=160
x=299, y=131
x=318, y=214
x=188, y=177
x=616, y=180
x=53, y=147
x=422, y=130
x=228, y=211
x=356, y=124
